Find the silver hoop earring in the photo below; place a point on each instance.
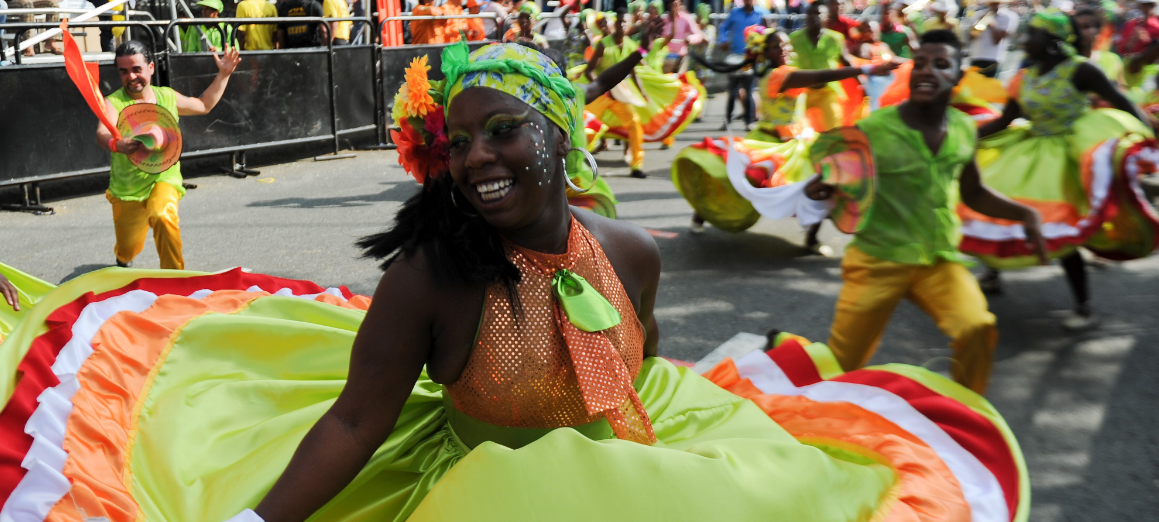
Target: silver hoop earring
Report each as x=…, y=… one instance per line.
x=591, y=163
x=455, y=203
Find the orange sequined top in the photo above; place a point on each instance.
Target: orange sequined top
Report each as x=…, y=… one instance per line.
x=520, y=372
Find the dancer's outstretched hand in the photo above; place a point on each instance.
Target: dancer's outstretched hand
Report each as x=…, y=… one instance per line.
x=818, y=190
x=884, y=68
x=228, y=61
x=11, y=296
x=1032, y=227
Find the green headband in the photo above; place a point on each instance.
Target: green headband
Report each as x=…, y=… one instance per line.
x=659, y=5
x=514, y=69
x=1056, y=23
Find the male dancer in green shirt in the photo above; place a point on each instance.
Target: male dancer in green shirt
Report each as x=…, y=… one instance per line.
x=141, y=200
x=923, y=153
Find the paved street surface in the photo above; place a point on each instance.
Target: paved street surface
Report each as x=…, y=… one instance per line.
x=1083, y=406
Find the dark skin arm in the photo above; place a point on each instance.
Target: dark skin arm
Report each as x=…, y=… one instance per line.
x=616, y=73
x=392, y=345
x=809, y=78
x=1011, y=112
x=1089, y=78
x=597, y=55
x=12, y=297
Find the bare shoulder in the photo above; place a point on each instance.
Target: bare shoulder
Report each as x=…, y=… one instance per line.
x=631, y=249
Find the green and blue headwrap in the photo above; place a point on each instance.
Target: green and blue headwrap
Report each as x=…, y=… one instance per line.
x=658, y=5
x=635, y=5
x=530, y=77
x=1056, y=23
x=530, y=8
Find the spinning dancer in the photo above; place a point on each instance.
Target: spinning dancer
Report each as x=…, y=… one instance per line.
x=775, y=152
x=923, y=155
x=1077, y=166
x=610, y=50
x=505, y=371
x=142, y=200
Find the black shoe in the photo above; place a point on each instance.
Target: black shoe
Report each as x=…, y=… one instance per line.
x=991, y=283
x=663, y=146
x=124, y=265
x=637, y=173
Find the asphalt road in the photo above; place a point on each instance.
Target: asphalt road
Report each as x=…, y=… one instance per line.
x=1083, y=406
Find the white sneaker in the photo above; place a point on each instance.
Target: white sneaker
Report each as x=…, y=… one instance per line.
x=1076, y=322
x=696, y=227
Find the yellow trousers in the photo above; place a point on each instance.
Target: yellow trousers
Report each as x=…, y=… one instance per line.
x=133, y=219
x=630, y=120
x=823, y=108
x=946, y=291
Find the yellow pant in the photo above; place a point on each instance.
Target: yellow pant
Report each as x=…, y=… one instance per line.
x=630, y=120
x=823, y=108
x=946, y=291
x=133, y=219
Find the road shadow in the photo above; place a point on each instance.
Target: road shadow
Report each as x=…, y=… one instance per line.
x=82, y=270
x=397, y=192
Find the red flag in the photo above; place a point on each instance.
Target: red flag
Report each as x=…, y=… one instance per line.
x=84, y=75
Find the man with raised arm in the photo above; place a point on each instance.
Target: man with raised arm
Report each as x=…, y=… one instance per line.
x=141, y=200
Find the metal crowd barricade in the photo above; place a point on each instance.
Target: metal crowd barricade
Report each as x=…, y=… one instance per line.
x=231, y=140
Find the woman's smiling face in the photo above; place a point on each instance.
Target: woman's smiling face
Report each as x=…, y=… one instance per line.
x=506, y=157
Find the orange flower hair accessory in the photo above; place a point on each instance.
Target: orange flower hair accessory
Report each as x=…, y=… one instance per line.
x=421, y=138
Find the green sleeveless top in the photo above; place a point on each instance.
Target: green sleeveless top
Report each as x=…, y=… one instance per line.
x=1051, y=101
x=126, y=181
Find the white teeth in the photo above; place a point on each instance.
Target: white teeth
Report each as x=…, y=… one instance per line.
x=494, y=190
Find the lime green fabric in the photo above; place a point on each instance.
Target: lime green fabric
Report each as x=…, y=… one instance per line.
x=585, y=308
x=825, y=55
x=614, y=53
x=1111, y=65
x=702, y=178
x=473, y=432
x=237, y=393
x=914, y=217
x=1022, y=163
x=126, y=181
x=29, y=290
x=1057, y=24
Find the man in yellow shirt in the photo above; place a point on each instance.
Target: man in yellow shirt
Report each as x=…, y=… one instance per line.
x=256, y=37
x=339, y=31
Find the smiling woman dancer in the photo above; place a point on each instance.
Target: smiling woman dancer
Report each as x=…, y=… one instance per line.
x=505, y=371
x=1078, y=167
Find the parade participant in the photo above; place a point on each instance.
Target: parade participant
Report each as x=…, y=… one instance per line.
x=820, y=48
x=923, y=156
x=775, y=152
x=1090, y=26
x=681, y=31
x=508, y=354
x=524, y=30
x=192, y=41
x=141, y=200
x=610, y=50
x=1052, y=165
x=898, y=36
x=945, y=17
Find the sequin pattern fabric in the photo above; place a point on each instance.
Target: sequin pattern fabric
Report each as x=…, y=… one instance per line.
x=520, y=372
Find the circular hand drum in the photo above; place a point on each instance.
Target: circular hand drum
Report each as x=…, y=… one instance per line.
x=156, y=129
x=843, y=159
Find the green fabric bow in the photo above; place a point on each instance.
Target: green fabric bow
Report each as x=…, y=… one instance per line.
x=584, y=306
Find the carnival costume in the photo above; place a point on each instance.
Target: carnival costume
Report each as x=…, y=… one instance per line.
x=834, y=104
x=1076, y=166
x=725, y=179
x=181, y=396
x=653, y=108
